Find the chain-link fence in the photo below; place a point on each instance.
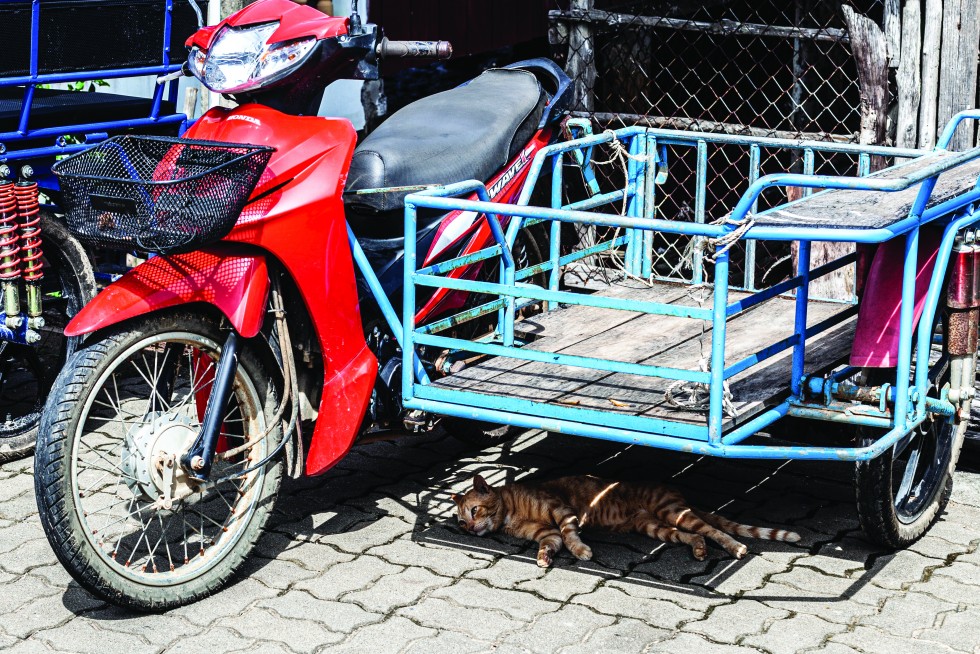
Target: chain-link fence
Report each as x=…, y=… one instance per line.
x=779, y=68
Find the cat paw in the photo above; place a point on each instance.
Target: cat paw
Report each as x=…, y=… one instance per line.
x=740, y=551
x=544, y=559
x=582, y=553
x=700, y=552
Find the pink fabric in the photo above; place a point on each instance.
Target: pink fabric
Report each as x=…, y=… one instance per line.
x=876, y=338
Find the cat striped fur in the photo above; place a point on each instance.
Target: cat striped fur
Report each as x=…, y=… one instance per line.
x=553, y=514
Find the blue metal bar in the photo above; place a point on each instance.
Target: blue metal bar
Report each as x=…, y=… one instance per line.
x=92, y=127
x=558, y=358
x=785, y=343
x=716, y=405
x=601, y=199
x=596, y=427
x=950, y=129
x=757, y=424
x=700, y=188
x=564, y=297
x=650, y=163
x=807, y=168
x=665, y=433
x=577, y=255
x=461, y=262
x=408, y=306
x=461, y=317
x=114, y=73
x=755, y=156
x=384, y=303
x=778, y=289
x=802, y=302
x=906, y=318
x=557, y=185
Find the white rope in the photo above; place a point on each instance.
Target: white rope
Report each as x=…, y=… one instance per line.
x=696, y=396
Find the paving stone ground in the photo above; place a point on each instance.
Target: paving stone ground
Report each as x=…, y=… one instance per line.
x=367, y=559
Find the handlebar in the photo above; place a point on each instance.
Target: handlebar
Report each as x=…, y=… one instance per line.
x=431, y=49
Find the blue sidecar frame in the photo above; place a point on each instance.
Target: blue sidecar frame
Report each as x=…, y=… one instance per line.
x=810, y=397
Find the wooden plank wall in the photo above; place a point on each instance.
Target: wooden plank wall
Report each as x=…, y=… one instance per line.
x=937, y=69
x=473, y=26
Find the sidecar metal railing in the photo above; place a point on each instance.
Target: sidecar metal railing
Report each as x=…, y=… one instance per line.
x=909, y=406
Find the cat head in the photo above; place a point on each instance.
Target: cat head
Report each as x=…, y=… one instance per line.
x=479, y=509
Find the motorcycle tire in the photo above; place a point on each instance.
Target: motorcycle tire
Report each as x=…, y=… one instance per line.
x=86, y=466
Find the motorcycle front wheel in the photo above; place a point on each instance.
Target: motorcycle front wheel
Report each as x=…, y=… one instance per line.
x=121, y=515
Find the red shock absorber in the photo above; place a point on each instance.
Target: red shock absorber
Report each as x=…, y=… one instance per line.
x=29, y=216
x=9, y=250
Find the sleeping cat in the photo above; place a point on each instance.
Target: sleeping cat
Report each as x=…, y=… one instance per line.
x=552, y=514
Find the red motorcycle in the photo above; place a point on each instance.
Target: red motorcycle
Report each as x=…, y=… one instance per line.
x=166, y=435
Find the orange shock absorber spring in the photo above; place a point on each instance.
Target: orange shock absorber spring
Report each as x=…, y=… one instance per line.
x=9, y=249
x=29, y=216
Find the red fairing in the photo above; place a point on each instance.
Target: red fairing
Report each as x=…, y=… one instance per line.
x=876, y=337
x=295, y=22
x=300, y=221
x=228, y=277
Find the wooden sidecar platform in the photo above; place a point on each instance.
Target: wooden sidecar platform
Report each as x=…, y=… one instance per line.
x=654, y=340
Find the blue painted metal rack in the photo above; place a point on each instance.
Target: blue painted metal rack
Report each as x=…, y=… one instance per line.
x=83, y=40
x=815, y=396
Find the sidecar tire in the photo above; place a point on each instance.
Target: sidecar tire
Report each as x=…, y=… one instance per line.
x=874, y=486
x=52, y=468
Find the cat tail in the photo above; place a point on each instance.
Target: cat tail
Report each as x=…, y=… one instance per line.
x=737, y=529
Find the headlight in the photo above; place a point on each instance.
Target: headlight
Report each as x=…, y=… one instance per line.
x=239, y=59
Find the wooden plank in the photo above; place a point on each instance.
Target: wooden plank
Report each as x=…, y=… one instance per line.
x=931, y=36
x=746, y=334
x=893, y=31
x=675, y=342
x=868, y=46
x=581, y=59
x=909, y=77
x=632, y=342
x=958, y=73
x=557, y=330
x=872, y=209
x=756, y=390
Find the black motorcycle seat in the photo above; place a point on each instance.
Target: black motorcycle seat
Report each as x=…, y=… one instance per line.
x=469, y=132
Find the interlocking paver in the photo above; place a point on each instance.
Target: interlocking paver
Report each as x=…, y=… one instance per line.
x=399, y=589
x=729, y=623
x=367, y=558
x=569, y=625
x=478, y=622
x=791, y=634
x=868, y=639
x=298, y=635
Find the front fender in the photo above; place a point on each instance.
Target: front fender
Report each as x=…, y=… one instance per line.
x=231, y=278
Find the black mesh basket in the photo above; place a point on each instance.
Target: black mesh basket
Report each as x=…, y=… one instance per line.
x=158, y=194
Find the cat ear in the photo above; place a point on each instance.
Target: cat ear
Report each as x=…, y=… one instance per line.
x=455, y=498
x=480, y=485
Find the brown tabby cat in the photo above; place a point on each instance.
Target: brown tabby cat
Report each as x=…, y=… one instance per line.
x=553, y=512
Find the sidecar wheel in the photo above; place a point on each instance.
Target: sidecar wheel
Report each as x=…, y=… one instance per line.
x=122, y=408
x=905, y=489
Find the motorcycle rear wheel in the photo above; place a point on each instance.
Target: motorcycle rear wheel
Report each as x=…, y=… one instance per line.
x=123, y=407
x=27, y=371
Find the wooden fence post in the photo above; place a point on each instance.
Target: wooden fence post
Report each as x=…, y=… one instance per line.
x=958, y=72
x=868, y=46
x=581, y=56
x=930, y=72
x=909, y=76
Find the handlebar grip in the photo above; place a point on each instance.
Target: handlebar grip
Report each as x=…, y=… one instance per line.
x=431, y=49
